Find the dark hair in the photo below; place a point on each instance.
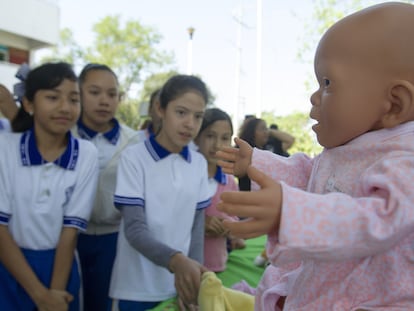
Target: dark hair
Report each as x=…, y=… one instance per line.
x=93, y=66
x=212, y=115
x=248, y=129
x=155, y=95
x=180, y=84
x=249, y=116
x=45, y=77
x=273, y=126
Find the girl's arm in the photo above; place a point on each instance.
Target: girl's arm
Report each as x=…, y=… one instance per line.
x=139, y=237
x=8, y=106
x=188, y=270
x=14, y=261
x=64, y=258
x=12, y=258
x=197, y=237
x=286, y=139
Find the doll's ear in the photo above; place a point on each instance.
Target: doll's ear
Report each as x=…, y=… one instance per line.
x=401, y=107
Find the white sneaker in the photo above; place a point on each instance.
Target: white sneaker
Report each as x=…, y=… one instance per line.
x=260, y=261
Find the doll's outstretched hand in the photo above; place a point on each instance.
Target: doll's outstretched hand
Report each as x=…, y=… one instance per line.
x=262, y=208
x=235, y=161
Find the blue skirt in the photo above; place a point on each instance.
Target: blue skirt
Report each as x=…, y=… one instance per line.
x=14, y=298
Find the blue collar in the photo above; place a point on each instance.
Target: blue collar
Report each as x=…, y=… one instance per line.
x=30, y=155
x=151, y=129
x=112, y=135
x=158, y=152
x=220, y=177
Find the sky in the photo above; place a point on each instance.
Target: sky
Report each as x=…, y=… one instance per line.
x=216, y=45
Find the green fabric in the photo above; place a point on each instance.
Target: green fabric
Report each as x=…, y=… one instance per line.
x=240, y=266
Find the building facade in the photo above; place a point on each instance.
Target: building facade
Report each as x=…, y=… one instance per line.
x=25, y=26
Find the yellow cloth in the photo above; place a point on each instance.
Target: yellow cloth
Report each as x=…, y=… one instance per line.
x=213, y=296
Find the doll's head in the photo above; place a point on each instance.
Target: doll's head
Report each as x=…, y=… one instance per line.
x=364, y=65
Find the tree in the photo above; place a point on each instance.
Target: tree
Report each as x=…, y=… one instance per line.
x=153, y=82
x=66, y=50
x=130, y=50
x=128, y=113
x=298, y=125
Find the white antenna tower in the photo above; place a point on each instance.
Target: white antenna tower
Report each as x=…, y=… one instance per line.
x=259, y=14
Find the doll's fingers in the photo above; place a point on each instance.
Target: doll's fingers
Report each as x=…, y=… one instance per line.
x=259, y=177
x=225, y=164
x=241, y=143
x=241, y=210
x=227, y=154
x=227, y=167
x=245, y=229
x=250, y=198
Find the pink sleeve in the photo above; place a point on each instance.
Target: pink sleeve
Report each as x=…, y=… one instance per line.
x=337, y=226
x=294, y=171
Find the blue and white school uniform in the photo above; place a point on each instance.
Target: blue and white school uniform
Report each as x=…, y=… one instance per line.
x=97, y=246
x=38, y=198
x=4, y=125
x=171, y=187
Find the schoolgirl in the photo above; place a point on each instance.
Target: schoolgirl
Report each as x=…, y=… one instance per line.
x=162, y=192
x=100, y=97
x=47, y=183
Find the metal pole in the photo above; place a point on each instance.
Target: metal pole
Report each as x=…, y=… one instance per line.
x=258, y=103
x=190, y=31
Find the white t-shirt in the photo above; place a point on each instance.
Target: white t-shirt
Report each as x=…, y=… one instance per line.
x=40, y=197
x=170, y=187
x=4, y=125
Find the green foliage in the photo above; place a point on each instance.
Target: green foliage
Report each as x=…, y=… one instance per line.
x=66, y=50
x=128, y=114
x=153, y=82
x=298, y=124
x=325, y=14
x=130, y=49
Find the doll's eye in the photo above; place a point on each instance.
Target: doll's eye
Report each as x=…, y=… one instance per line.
x=326, y=82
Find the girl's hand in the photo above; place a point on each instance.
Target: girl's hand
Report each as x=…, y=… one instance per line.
x=183, y=307
x=237, y=243
x=187, y=273
x=8, y=106
x=235, y=161
x=54, y=300
x=262, y=208
x=214, y=227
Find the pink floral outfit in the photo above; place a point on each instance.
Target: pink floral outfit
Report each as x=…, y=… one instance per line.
x=346, y=237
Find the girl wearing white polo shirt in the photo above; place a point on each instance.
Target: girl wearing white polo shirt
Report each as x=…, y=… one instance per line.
x=47, y=183
x=161, y=191
x=100, y=98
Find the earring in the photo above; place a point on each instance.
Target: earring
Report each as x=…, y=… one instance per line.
x=30, y=113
